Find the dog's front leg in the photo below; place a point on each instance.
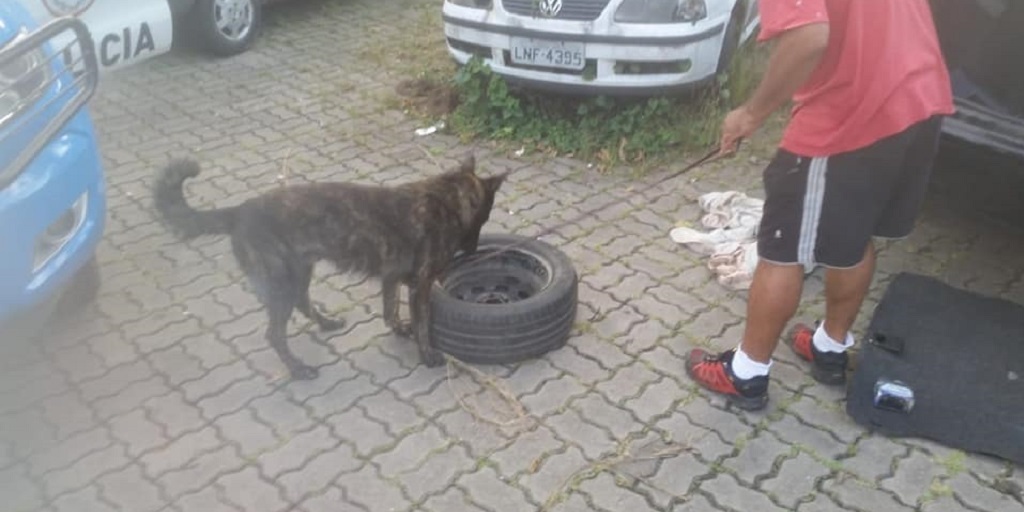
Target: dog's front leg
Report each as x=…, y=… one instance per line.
x=391, y=284
x=420, y=309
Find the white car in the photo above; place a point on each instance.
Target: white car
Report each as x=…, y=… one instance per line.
x=601, y=46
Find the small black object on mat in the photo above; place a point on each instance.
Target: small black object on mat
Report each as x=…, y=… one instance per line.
x=943, y=364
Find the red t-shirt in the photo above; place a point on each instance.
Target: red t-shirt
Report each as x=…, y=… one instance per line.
x=883, y=71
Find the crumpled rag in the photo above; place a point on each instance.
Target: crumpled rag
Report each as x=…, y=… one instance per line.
x=731, y=243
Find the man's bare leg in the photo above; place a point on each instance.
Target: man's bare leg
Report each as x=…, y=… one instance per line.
x=773, y=298
x=845, y=290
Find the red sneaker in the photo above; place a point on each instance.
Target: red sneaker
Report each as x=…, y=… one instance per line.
x=714, y=372
x=826, y=367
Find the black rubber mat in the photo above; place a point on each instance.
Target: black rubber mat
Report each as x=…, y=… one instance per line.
x=963, y=358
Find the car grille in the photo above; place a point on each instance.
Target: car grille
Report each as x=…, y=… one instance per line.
x=574, y=10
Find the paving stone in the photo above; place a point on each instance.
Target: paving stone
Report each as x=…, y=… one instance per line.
x=655, y=400
x=584, y=369
x=912, y=478
x=795, y=480
x=437, y=472
x=410, y=451
x=757, y=458
x=85, y=470
x=493, y=493
x=251, y=436
x=793, y=432
x=596, y=410
x=874, y=458
x=729, y=426
x=366, y=488
x=821, y=503
x=613, y=325
x=607, y=495
x=382, y=368
x=341, y=397
x=132, y=396
x=130, y=490
x=294, y=452
x=174, y=414
x=677, y=475
x=319, y=472
x=70, y=450
x=863, y=496
x=387, y=409
x=234, y=397
x=176, y=365
x=728, y=492
x=180, y=452
x=831, y=418
x=83, y=500
x=529, y=376
x=206, y=500
x=703, y=442
x=627, y=383
x=552, y=472
x=115, y=380
x=18, y=490
x=479, y=436
x=79, y=363
x=248, y=491
x=365, y=435
x=571, y=427
x=972, y=493
x=451, y=500
x=552, y=396
x=200, y=470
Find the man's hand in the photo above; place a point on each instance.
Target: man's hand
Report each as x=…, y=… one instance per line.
x=738, y=124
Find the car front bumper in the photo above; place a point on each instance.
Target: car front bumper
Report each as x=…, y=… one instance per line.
x=621, y=58
x=61, y=190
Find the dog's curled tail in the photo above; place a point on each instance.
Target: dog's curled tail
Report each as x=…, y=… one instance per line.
x=170, y=203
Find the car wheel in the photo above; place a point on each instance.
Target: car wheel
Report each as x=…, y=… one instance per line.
x=730, y=42
x=227, y=27
x=82, y=290
x=505, y=308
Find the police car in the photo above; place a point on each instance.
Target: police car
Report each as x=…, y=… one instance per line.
x=604, y=46
x=130, y=31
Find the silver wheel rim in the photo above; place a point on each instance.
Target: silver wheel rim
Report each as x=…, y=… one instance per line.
x=233, y=18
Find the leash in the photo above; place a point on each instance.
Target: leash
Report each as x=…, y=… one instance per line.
x=707, y=157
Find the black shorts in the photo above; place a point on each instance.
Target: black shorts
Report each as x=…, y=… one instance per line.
x=825, y=210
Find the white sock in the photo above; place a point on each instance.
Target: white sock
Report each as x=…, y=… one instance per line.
x=824, y=343
x=746, y=368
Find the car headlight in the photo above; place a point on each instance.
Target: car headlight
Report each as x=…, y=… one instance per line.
x=479, y=4
x=22, y=79
x=661, y=11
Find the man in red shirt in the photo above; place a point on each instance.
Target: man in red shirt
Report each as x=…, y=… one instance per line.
x=870, y=87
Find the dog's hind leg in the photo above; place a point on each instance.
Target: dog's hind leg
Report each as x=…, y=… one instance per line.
x=279, y=307
x=390, y=286
x=304, y=276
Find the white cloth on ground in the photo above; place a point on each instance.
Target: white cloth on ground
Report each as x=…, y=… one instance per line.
x=733, y=218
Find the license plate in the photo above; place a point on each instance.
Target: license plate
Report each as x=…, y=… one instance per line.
x=548, y=54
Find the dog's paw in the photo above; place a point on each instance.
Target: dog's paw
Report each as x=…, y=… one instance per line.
x=403, y=329
x=331, y=324
x=432, y=358
x=304, y=373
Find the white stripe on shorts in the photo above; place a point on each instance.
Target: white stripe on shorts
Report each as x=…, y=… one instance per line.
x=814, y=197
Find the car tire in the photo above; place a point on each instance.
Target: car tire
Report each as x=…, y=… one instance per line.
x=730, y=42
x=217, y=33
x=82, y=290
x=506, y=308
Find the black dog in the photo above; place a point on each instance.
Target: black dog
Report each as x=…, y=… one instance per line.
x=407, y=234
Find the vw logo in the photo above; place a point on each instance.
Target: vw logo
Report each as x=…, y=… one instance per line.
x=549, y=8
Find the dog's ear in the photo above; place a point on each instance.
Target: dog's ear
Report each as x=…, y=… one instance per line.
x=494, y=182
x=468, y=164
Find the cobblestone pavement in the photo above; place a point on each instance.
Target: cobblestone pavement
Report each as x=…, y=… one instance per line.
x=164, y=395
